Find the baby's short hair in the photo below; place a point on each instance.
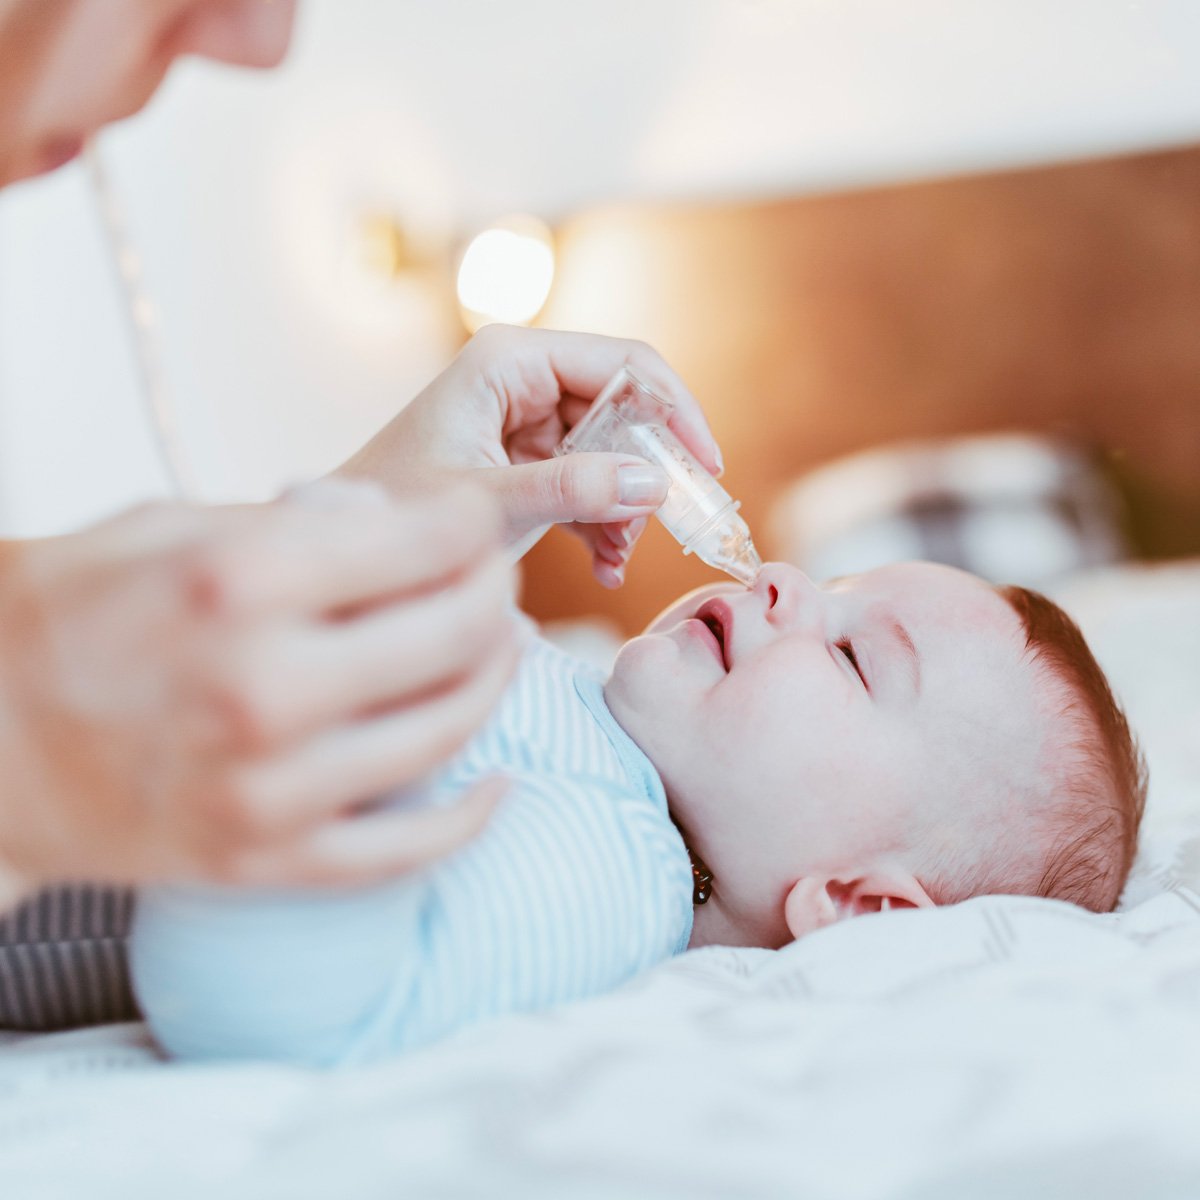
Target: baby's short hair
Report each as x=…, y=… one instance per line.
x=1085, y=823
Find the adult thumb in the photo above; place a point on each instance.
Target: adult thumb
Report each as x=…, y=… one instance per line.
x=592, y=488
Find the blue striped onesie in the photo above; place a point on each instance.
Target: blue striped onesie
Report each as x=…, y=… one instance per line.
x=578, y=882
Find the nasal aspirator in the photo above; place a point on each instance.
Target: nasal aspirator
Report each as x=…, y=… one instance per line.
x=628, y=418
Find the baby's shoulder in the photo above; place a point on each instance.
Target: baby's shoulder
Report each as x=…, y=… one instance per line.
x=543, y=724
x=589, y=845
x=601, y=817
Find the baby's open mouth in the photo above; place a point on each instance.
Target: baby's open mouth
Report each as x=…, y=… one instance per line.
x=717, y=617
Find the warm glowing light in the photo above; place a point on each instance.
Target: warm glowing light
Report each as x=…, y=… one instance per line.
x=506, y=273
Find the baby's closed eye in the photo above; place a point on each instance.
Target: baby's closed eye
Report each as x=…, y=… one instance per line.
x=846, y=648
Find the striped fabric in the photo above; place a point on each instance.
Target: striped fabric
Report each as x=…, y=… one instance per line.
x=63, y=959
x=578, y=882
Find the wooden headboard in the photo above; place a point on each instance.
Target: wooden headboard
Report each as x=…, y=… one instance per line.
x=1064, y=300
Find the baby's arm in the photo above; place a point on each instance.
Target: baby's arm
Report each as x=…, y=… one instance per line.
x=298, y=976
x=568, y=892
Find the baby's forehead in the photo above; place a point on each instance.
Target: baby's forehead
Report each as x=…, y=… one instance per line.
x=938, y=600
x=989, y=714
x=928, y=578
x=971, y=642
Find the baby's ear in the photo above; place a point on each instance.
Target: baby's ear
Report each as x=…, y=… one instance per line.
x=814, y=902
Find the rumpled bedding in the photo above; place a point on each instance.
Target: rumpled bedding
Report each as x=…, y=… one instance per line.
x=1006, y=1047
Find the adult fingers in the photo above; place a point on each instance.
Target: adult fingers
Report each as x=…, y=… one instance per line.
x=582, y=363
x=278, y=685
x=623, y=535
x=578, y=487
x=372, y=847
x=634, y=530
x=612, y=546
x=357, y=762
x=310, y=558
x=397, y=652
x=366, y=849
x=607, y=575
x=608, y=558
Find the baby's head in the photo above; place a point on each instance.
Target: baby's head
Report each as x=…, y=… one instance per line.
x=906, y=737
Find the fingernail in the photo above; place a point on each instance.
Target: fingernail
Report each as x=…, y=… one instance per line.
x=609, y=554
x=719, y=459
x=638, y=485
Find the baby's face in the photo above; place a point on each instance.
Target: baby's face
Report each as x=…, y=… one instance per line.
x=803, y=729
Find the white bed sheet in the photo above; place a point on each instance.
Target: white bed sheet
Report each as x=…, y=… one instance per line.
x=1004, y=1048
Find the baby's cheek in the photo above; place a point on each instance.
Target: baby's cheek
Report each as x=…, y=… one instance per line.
x=743, y=729
x=784, y=704
x=650, y=696
x=642, y=668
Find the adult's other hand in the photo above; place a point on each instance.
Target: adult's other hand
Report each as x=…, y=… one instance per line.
x=504, y=404
x=212, y=694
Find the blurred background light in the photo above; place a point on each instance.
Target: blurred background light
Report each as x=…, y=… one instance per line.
x=506, y=272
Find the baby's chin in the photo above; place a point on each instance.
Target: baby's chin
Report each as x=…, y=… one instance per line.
x=686, y=605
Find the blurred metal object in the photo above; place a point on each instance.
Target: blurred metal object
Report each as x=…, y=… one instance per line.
x=388, y=248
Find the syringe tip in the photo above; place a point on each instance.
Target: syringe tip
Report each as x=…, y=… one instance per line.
x=746, y=568
x=729, y=548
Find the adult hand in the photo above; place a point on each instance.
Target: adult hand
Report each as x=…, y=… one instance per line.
x=212, y=694
x=504, y=404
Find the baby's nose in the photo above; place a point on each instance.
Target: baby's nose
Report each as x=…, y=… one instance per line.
x=790, y=599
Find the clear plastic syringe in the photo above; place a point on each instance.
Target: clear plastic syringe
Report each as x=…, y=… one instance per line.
x=628, y=418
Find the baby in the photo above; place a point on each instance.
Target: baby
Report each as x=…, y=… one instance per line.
x=761, y=763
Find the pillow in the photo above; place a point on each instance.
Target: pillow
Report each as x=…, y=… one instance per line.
x=63, y=960
x=1141, y=622
x=1013, y=508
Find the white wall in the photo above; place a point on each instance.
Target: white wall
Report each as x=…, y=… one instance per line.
x=243, y=192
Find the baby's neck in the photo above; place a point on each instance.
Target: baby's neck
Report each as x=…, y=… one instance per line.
x=713, y=925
